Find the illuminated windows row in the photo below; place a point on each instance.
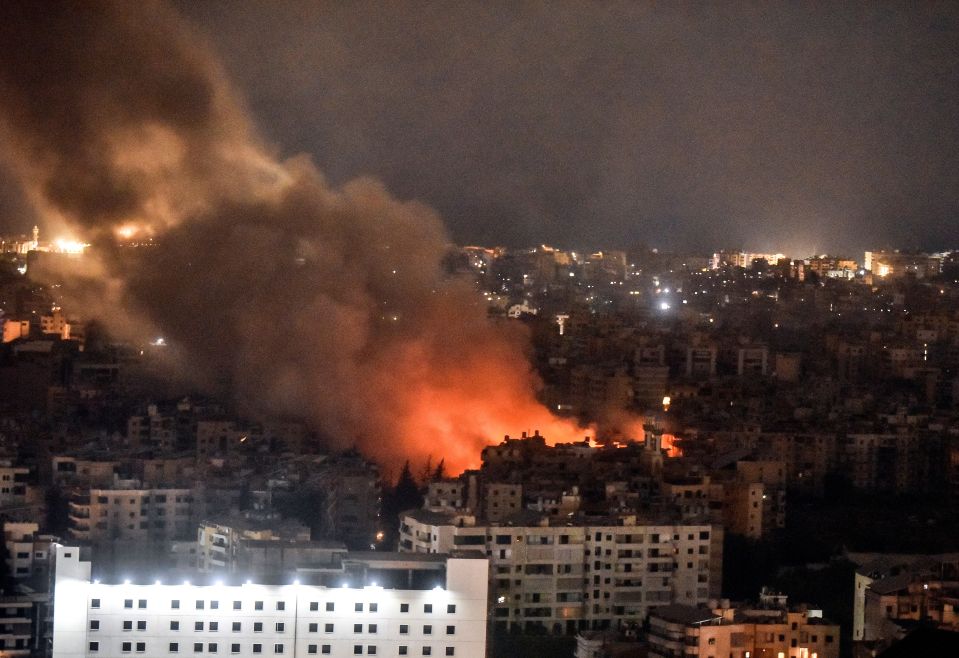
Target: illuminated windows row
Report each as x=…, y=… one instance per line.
x=201, y=604
x=279, y=627
x=278, y=649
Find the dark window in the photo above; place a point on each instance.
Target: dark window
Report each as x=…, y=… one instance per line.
x=197, y=647
x=127, y=603
x=403, y=650
x=427, y=607
x=451, y=608
x=314, y=628
x=357, y=649
x=258, y=627
x=94, y=624
x=238, y=605
x=128, y=625
x=314, y=606
x=141, y=625
x=141, y=647
x=94, y=603
x=404, y=607
x=281, y=605
x=214, y=605
x=214, y=626
x=211, y=647
x=175, y=604
x=257, y=648
x=328, y=628
x=280, y=627
x=198, y=625
x=404, y=629
x=311, y=648
x=277, y=648
x=325, y=649
x=450, y=630
x=450, y=651
x=374, y=607
x=174, y=625
x=126, y=646
x=428, y=629
x=174, y=647
x=258, y=605
x=142, y=603
x=94, y=646
x=235, y=648
x=357, y=628
x=427, y=651
x=358, y=607
x=236, y=627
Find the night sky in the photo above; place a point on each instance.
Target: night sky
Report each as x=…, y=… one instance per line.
x=794, y=127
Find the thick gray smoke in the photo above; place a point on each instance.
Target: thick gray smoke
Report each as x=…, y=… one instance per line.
x=292, y=297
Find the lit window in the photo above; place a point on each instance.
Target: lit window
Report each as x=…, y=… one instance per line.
x=94, y=603
x=94, y=624
x=94, y=647
x=174, y=625
x=174, y=647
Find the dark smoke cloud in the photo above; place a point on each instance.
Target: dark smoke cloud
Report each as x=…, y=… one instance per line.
x=790, y=125
x=291, y=296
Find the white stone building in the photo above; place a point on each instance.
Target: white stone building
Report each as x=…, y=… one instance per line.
x=441, y=611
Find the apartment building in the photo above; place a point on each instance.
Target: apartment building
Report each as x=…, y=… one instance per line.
x=372, y=605
x=680, y=631
x=568, y=574
x=28, y=551
x=130, y=513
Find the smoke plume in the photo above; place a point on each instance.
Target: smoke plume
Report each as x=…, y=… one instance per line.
x=292, y=297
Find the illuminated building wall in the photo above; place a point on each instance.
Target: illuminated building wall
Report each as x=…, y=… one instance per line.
x=446, y=616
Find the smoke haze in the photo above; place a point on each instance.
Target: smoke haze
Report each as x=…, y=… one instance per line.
x=292, y=297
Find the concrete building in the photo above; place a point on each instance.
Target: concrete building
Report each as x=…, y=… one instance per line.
x=770, y=630
x=130, y=513
x=28, y=551
x=569, y=574
x=371, y=605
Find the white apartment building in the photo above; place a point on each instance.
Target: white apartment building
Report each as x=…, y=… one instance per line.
x=566, y=576
x=442, y=612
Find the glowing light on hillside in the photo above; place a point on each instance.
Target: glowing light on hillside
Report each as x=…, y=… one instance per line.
x=67, y=246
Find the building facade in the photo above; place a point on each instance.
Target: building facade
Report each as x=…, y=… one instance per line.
x=441, y=611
